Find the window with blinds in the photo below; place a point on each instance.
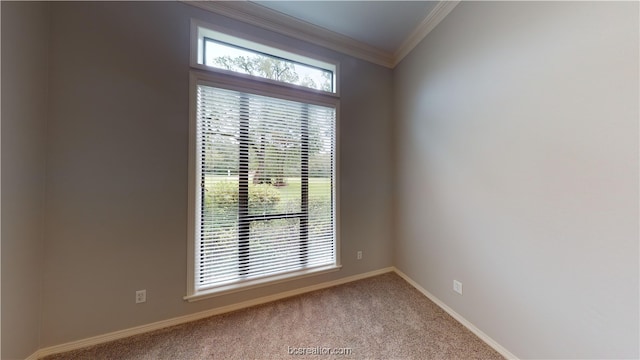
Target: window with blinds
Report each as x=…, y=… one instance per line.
x=262, y=164
x=266, y=204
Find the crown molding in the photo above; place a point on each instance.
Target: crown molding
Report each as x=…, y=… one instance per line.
x=439, y=12
x=268, y=19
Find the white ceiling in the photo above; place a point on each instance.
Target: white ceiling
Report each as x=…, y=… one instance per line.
x=381, y=24
x=382, y=32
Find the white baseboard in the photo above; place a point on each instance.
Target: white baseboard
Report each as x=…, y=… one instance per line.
x=100, y=339
x=466, y=323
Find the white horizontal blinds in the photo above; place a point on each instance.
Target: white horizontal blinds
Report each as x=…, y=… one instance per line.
x=321, y=183
x=218, y=145
x=266, y=168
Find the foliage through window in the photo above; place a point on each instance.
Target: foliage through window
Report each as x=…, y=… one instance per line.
x=228, y=57
x=222, y=51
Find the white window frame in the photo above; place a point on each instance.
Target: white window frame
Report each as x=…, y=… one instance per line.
x=204, y=75
x=254, y=43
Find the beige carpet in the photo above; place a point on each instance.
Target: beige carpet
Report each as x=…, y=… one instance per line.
x=377, y=318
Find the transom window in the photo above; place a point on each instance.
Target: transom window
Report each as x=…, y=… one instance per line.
x=226, y=52
x=263, y=182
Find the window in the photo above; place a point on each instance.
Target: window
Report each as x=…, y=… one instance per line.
x=263, y=182
x=217, y=49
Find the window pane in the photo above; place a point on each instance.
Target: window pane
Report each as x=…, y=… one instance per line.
x=218, y=114
x=274, y=157
x=219, y=254
x=274, y=246
x=230, y=57
x=321, y=143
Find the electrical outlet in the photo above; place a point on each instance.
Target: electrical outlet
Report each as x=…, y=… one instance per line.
x=141, y=296
x=359, y=255
x=457, y=286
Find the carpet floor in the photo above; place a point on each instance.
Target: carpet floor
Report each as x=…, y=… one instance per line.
x=382, y=317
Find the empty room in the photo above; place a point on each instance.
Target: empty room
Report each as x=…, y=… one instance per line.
x=320, y=179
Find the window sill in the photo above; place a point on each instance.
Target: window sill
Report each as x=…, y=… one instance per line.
x=252, y=284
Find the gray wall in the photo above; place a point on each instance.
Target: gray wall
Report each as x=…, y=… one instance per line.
x=518, y=173
x=116, y=200
x=24, y=114
x=516, y=148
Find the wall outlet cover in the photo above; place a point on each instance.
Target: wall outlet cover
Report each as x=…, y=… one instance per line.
x=457, y=286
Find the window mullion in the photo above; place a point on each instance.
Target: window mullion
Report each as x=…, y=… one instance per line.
x=243, y=189
x=304, y=184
